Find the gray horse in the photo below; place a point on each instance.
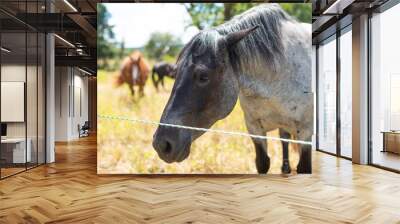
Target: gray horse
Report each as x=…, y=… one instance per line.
x=262, y=57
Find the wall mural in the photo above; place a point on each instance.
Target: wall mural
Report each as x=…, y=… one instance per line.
x=204, y=88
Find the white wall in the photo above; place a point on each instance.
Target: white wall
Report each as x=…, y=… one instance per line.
x=12, y=100
x=12, y=73
x=33, y=126
x=80, y=83
x=62, y=81
x=71, y=94
x=16, y=73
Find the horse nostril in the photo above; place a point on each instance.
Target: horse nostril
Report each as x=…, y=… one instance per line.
x=167, y=148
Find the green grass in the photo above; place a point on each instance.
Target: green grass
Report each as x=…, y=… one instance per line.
x=125, y=147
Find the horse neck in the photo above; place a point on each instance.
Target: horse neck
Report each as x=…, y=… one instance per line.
x=265, y=81
x=255, y=84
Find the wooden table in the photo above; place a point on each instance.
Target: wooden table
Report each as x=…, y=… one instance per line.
x=391, y=141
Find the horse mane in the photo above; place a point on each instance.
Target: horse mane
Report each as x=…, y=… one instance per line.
x=143, y=64
x=264, y=45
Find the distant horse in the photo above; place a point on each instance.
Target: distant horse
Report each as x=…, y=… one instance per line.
x=162, y=69
x=134, y=71
x=262, y=57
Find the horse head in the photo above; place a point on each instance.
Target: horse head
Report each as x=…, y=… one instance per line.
x=135, y=60
x=206, y=90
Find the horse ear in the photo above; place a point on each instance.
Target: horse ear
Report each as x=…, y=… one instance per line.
x=236, y=36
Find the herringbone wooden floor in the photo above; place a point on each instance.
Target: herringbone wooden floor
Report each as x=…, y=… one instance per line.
x=69, y=191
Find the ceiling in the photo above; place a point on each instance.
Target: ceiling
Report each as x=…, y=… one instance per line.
x=332, y=15
x=73, y=21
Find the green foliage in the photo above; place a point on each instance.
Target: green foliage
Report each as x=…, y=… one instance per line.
x=232, y=9
x=105, y=48
x=206, y=15
x=162, y=45
x=169, y=58
x=300, y=11
x=103, y=28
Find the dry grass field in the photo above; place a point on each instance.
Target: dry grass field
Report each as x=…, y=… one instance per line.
x=125, y=147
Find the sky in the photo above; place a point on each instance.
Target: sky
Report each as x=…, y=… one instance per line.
x=134, y=22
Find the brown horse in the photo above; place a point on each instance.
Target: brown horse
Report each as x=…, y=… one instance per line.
x=134, y=71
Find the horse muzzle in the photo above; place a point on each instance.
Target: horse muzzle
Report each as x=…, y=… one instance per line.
x=172, y=144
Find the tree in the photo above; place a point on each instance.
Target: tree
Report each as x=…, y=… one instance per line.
x=161, y=45
x=300, y=11
x=105, y=34
x=232, y=9
x=122, y=49
x=206, y=15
